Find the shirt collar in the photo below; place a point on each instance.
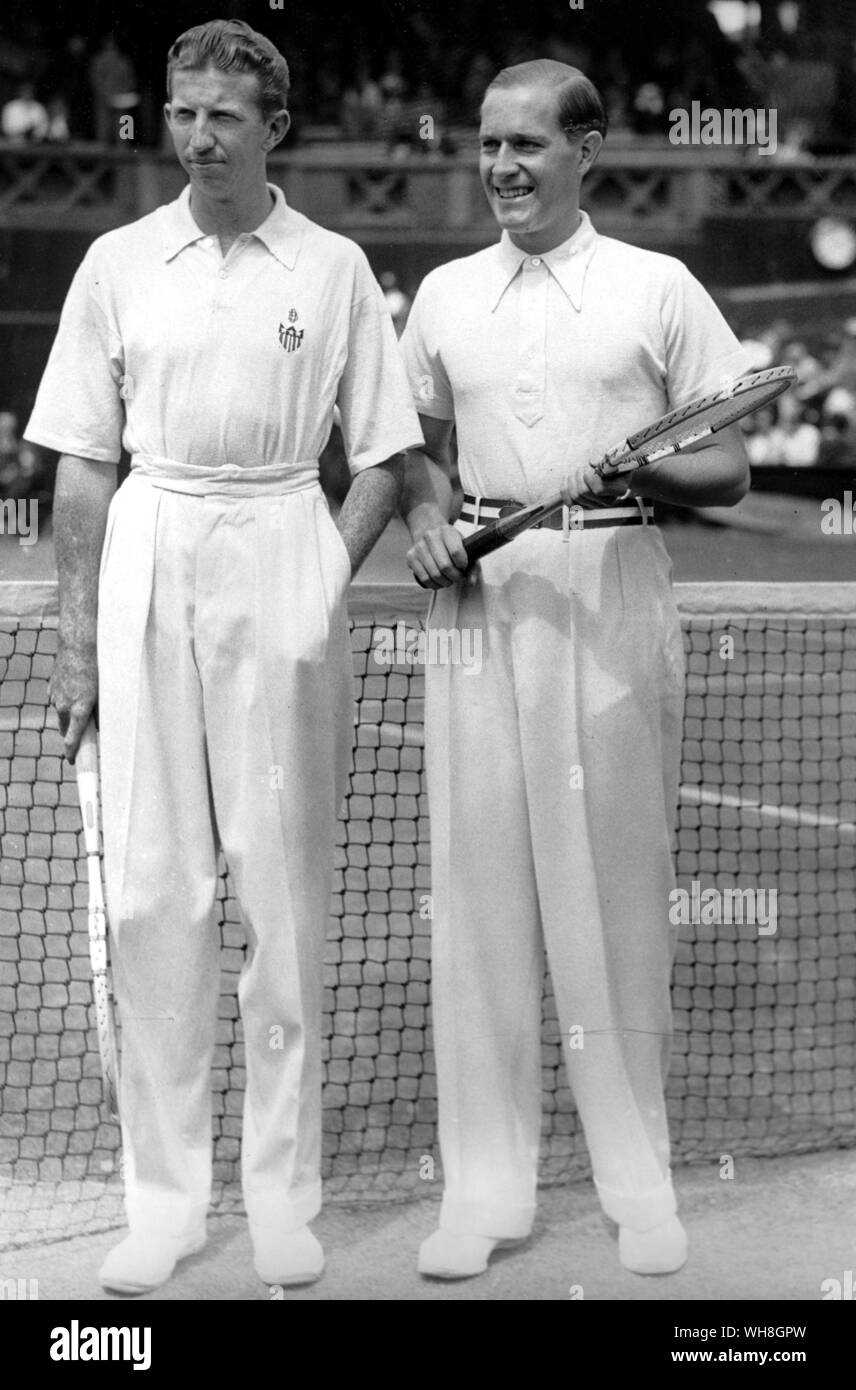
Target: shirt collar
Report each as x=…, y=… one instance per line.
x=567, y=263
x=280, y=232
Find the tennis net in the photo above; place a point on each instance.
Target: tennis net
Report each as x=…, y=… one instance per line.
x=764, y=1058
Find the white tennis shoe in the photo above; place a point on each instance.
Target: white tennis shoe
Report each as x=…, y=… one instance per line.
x=449, y=1255
x=292, y=1258
x=142, y=1263
x=660, y=1250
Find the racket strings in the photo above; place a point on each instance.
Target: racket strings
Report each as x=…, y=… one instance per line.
x=716, y=411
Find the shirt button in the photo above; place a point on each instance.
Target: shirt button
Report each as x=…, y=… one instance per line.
x=536, y=260
x=224, y=274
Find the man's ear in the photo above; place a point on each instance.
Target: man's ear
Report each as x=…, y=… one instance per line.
x=589, y=150
x=278, y=127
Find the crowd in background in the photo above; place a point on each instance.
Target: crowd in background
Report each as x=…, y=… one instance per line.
x=379, y=80
x=815, y=422
x=81, y=93
x=25, y=471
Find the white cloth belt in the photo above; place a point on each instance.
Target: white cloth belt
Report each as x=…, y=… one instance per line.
x=226, y=479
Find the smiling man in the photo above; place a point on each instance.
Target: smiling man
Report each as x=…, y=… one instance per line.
x=213, y=339
x=553, y=772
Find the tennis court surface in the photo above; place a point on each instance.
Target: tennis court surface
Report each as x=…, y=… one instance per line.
x=780, y=1229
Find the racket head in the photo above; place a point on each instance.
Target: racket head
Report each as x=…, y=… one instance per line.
x=703, y=416
x=672, y=433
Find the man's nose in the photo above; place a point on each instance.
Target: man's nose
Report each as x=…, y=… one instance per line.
x=504, y=163
x=201, y=136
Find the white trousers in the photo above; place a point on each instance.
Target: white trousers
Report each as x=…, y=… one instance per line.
x=225, y=691
x=553, y=783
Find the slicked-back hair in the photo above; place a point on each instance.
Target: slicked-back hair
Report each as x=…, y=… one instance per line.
x=580, y=106
x=232, y=46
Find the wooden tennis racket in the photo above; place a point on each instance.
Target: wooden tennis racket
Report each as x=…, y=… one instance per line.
x=671, y=434
x=86, y=767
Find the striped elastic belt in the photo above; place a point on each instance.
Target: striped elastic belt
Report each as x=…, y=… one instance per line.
x=481, y=510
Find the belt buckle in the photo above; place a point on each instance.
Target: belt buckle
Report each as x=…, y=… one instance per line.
x=511, y=508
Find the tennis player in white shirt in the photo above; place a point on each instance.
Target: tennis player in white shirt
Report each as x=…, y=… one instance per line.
x=553, y=773
x=213, y=339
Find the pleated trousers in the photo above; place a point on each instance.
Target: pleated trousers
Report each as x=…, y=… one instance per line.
x=225, y=693
x=553, y=769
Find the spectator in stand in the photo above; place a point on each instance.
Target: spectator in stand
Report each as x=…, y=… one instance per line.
x=114, y=89
x=838, y=437
x=397, y=301
x=780, y=437
x=66, y=77
x=757, y=430
x=809, y=371
x=793, y=440
x=362, y=105
x=392, y=84
x=649, y=109
x=22, y=472
x=58, y=116
x=395, y=114
x=23, y=118
x=839, y=405
x=842, y=369
x=8, y=451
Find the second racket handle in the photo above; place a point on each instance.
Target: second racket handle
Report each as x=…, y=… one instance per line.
x=86, y=770
x=482, y=543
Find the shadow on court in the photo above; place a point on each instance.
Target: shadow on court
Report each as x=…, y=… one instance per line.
x=776, y=1230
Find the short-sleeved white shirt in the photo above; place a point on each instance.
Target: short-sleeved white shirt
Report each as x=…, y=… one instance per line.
x=171, y=349
x=544, y=362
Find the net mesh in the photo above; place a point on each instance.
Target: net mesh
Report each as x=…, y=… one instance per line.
x=764, y=1059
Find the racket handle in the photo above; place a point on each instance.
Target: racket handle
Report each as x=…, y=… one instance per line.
x=86, y=768
x=87, y=751
x=483, y=543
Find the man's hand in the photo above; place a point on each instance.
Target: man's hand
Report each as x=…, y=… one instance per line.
x=72, y=691
x=438, y=558
x=583, y=481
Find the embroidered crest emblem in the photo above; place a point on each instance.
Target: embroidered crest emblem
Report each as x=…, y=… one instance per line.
x=289, y=337
x=292, y=315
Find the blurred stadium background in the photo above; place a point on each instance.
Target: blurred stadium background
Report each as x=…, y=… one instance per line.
x=765, y=1056
x=383, y=148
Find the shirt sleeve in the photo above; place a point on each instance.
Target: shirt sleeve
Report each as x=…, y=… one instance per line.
x=430, y=387
x=78, y=407
x=377, y=418
x=702, y=354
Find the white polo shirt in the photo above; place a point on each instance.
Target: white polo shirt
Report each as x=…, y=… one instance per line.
x=171, y=349
x=547, y=361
